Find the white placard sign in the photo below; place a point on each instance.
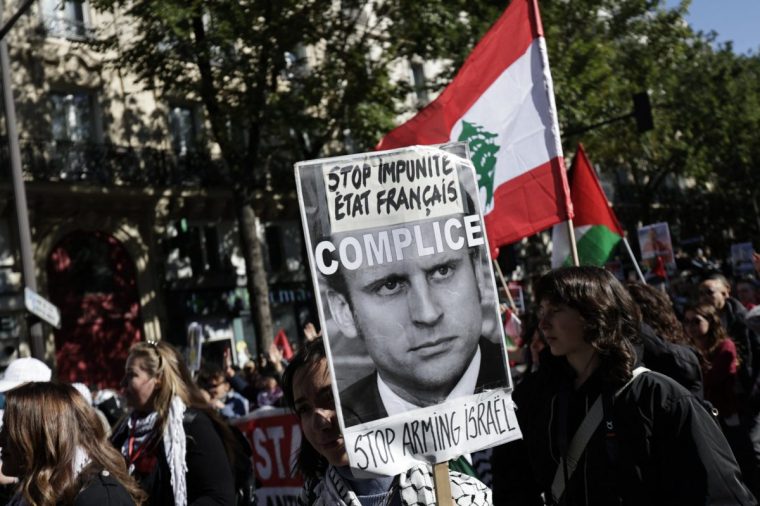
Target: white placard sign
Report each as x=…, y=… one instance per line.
x=408, y=304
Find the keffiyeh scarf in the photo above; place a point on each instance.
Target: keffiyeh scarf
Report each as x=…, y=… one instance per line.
x=175, y=445
x=415, y=487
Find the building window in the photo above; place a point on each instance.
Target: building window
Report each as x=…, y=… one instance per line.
x=183, y=129
x=72, y=116
x=195, y=249
x=66, y=18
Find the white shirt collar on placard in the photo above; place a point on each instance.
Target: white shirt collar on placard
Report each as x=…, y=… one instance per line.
x=466, y=386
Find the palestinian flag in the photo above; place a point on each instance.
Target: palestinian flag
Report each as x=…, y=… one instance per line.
x=502, y=104
x=597, y=230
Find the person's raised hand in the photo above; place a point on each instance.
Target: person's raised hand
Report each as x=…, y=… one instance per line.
x=310, y=332
x=275, y=357
x=227, y=358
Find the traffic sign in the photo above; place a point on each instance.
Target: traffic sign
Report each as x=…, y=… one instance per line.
x=39, y=306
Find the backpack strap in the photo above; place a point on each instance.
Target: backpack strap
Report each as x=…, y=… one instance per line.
x=582, y=436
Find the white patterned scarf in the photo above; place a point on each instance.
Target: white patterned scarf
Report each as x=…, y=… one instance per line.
x=175, y=445
x=415, y=487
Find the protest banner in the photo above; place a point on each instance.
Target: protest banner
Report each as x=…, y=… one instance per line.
x=275, y=436
x=741, y=258
x=405, y=291
x=214, y=352
x=654, y=241
x=194, y=346
x=516, y=290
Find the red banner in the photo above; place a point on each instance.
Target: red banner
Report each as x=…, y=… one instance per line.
x=275, y=437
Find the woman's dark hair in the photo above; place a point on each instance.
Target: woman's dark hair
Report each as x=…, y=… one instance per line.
x=657, y=311
x=310, y=463
x=529, y=327
x=612, y=318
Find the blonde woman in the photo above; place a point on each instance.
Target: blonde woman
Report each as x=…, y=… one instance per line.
x=174, y=444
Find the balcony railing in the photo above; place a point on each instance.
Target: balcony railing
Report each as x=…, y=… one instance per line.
x=110, y=165
x=66, y=28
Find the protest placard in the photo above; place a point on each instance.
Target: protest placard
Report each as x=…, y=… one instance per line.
x=275, y=436
x=741, y=258
x=655, y=242
x=408, y=302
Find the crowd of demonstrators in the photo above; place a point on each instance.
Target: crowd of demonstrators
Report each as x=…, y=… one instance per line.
x=235, y=393
x=694, y=413
x=322, y=458
x=171, y=441
x=674, y=340
x=228, y=402
x=648, y=440
x=715, y=290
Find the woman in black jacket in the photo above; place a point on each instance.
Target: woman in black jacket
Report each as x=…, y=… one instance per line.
x=55, y=443
x=648, y=440
x=175, y=445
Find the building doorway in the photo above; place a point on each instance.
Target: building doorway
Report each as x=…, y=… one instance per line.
x=91, y=278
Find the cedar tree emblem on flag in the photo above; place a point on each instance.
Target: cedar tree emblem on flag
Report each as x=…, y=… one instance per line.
x=483, y=151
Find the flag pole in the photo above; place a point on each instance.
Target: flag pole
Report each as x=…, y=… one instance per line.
x=633, y=259
x=505, y=285
x=573, y=245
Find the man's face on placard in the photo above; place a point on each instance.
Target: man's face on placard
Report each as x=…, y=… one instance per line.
x=420, y=319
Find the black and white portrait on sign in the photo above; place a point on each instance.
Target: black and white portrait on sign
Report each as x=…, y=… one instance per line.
x=400, y=260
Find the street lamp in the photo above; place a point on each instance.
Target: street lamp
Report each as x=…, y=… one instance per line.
x=36, y=342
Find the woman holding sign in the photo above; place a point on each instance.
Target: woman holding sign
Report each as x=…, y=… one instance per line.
x=323, y=460
x=599, y=431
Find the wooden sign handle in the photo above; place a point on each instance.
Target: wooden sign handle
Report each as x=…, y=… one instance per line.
x=442, y=483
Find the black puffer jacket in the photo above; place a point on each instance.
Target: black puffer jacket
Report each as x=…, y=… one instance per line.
x=665, y=450
x=103, y=490
x=676, y=361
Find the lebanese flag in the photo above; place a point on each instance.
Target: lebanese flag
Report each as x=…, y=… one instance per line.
x=501, y=103
x=597, y=230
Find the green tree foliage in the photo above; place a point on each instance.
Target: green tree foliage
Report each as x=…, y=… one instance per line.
x=287, y=80
x=696, y=165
